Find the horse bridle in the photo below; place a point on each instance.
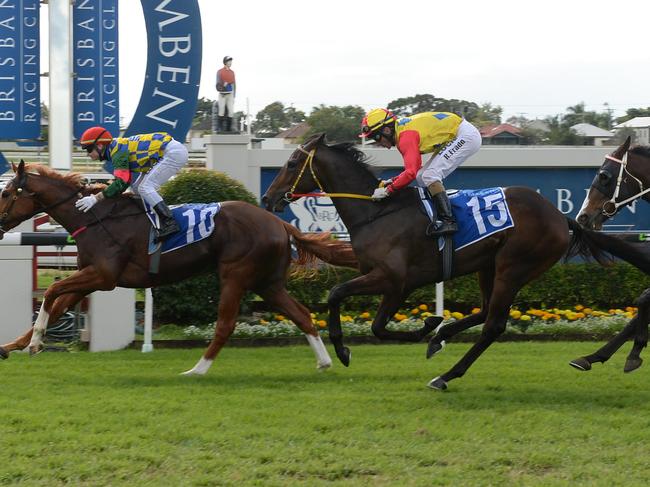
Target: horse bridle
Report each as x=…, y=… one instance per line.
x=612, y=203
x=20, y=191
x=290, y=195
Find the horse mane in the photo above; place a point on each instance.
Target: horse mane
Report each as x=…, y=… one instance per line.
x=641, y=150
x=73, y=179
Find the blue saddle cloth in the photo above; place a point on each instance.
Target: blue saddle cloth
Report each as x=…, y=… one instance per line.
x=479, y=213
x=195, y=219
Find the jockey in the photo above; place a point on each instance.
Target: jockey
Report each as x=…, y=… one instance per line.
x=449, y=138
x=143, y=161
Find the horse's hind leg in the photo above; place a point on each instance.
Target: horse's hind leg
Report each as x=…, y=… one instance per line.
x=495, y=324
x=278, y=297
x=638, y=325
x=634, y=359
x=231, y=295
x=437, y=342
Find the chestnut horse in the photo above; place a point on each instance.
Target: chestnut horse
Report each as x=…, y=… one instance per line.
x=396, y=257
x=250, y=248
x=623, y=178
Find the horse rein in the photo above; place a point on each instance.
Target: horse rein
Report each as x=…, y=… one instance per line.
x=290, y=195
x=612, y=202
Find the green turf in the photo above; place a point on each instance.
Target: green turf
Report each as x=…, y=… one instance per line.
x=265, y=416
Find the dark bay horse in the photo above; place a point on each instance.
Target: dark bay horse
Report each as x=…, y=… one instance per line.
x=250, y=248
x=622, y=179
x=396, y=257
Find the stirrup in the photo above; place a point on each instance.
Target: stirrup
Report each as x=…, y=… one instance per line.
x=433, y=230
x=166, y=232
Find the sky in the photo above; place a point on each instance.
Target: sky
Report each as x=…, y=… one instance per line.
x=532, y=59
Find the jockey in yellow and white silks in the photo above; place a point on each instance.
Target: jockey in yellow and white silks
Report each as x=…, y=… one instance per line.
x=449, y=138
x=144, y=162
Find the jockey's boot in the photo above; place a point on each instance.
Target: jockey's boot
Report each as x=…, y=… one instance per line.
x=168, y=224
x=227, y=122
x=445, y=215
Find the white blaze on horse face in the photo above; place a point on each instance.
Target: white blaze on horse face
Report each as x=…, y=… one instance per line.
x=322, y=357
x=585, y=204
x=39, y=329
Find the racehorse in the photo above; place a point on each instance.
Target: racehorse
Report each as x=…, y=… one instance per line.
x=250, y=248
x=396, y=257
x=623, y=178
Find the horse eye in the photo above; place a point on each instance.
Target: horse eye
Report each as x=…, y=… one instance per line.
x=292, y=163
x=603, y=176
x=5, y=194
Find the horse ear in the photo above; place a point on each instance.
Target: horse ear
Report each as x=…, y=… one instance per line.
x=623, y=148
x=20, y=168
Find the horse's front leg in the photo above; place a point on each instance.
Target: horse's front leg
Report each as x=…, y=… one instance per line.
x=637, y=326
x=61, y=305
x=389, y=305
x=375, y=282
x=82, y=282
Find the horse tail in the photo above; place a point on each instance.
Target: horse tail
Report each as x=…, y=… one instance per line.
x=321, y=246
x=601, y=246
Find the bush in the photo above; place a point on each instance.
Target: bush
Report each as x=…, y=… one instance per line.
x=194, y=301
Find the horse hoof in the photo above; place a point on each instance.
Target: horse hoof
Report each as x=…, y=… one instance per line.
x=437, y=384
x=324, y=366
x=344, y=356
x=4, y=355
x=35, y=351
x=430, y=324
x=632, y=364
x=434, y=348
x=581, y=364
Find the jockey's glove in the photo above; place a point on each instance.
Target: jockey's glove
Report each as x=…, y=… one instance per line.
x=86, y=203
x=379, y=194
x=385, y=182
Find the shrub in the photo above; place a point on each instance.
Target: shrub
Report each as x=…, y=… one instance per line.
x=194, y=301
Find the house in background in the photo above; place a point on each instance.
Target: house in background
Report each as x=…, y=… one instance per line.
x=594, y=135
x=641, y=127
x=502, y=134
x=294, y=134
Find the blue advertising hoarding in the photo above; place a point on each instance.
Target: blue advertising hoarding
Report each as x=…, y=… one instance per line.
x=20, y=91
x=566, y=188
x=173, y=73
x=96, y=66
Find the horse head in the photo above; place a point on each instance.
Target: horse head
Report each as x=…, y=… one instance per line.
x=295, y=177
x=17, y=202
x=618, y=183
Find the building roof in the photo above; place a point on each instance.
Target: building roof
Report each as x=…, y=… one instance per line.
x=635, y=123
x=295, y=131
x=493, y=130
x=589, y=130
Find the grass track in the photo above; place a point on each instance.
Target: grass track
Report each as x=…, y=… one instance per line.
x=521, y=416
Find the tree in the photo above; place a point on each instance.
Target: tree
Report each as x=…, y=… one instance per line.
x=339, y=123
x=203, y=110
x=429, y=103
x=631, y=113
x=577, y=114
x=487, y=115
x=560, y=132
x=275, y=118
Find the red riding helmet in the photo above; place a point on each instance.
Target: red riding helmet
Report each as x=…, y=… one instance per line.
x=93, y=136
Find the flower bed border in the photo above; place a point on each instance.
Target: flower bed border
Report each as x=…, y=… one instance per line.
x=300, y=340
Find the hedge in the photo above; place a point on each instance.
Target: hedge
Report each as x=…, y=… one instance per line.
x=195, y=300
